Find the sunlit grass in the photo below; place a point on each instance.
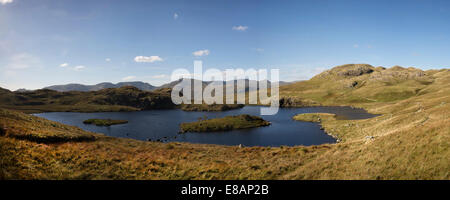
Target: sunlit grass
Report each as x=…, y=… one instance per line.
x=409, y=140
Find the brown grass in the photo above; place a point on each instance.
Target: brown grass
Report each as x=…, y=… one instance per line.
x=410, y=140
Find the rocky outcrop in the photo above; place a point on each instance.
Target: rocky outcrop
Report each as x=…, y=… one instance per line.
x=356, y=70
x=349, y=70
x=296, y=102
x=131, y=96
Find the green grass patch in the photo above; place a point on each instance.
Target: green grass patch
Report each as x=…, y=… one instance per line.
x=224, y=124
x=313, y=117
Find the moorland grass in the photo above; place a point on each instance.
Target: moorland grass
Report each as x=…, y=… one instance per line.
x=409, y=140
x=30, y=128
x=313, y=117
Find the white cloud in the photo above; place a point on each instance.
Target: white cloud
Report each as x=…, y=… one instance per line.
x=175, y=16
x=204, y=52
x=239, y=28
x=149, y=59
x=181, y=73
x=127, y=78
x=3, y=2
x=79, y=68
x=108, y=59
x=22, y=61
x=355, y=46
x=159, y=76
x=64, y=65
x=259, y=50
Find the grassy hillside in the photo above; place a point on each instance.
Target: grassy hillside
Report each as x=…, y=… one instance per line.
x=105, y=157
x=26, y=127
x=358, y=84
x=410, y=140
x=126, y=98
x=113, y=99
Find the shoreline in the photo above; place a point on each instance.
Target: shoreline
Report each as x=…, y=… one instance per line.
x=336, y=138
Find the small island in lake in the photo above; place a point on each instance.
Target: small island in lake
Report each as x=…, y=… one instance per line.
x=314, y=117
x=104, y=122
x=224, y=124
x=210, y=108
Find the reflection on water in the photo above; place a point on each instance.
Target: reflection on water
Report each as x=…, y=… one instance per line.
x=164, y=124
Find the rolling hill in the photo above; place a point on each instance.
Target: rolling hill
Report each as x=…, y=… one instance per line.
x=100, y=86
x=410, y=139
x=126, y=98
x=138, y=84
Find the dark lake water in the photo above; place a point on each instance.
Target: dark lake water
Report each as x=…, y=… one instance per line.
x=164, y=124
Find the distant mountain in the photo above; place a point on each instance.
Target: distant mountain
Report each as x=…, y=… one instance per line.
x=23, y=90
x=86, y=88
x=205, y=83
x=138, y=84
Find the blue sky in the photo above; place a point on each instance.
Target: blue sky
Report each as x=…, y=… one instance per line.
x=46, y=42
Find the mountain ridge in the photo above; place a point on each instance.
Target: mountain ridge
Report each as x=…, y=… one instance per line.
x=409, y=139
x=138, y=84
x=104, y=85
